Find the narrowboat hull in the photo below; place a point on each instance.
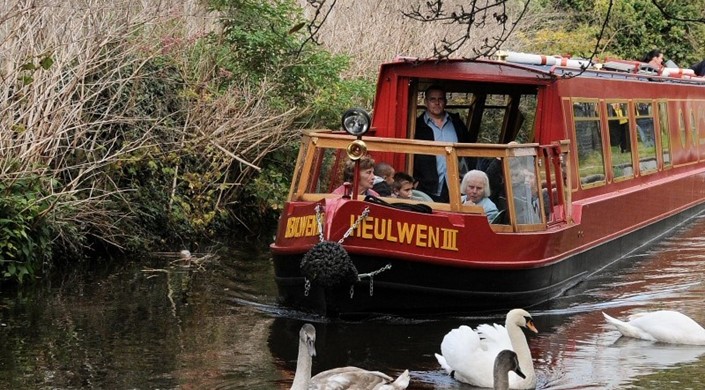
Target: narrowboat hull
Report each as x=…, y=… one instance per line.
x=427, y=288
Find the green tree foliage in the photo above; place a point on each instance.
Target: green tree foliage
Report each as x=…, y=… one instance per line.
x=263, y=40
x=634, y=27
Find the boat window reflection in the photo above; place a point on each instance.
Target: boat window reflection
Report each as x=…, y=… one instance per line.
x=620, y=140
x=665, y=134
x=646, y=145
x=527, y=204
x=591, y=166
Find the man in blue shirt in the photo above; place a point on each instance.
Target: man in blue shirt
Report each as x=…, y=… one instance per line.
x=436, y=124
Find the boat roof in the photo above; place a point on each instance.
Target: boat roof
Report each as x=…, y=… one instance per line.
x=538, y=73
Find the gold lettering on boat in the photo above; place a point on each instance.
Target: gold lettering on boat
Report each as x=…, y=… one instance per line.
x=425, y=236
x=306, y=226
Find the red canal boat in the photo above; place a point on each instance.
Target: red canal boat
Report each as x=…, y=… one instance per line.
x=607, y=158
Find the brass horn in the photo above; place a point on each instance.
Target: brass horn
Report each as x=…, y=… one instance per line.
x=356, y=150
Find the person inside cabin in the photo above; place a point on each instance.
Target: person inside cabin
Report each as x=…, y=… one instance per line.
x=400, y=188
x=619, y=128
x=475, y=188
x=654, y=58
x=493, y=168
x=525, y=190
x=366, y=179
x=436, y=124
x=403, y=185
x=384, y=178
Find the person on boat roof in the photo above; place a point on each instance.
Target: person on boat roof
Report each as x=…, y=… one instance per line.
x=436, y=124
x=366, y=180
x=475, y=188
x=654, y=58
x=384, y=178
x=699, y=68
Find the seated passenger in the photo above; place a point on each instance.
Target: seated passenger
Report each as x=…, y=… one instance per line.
x=403, y=186
x=400, y=178
x=384, y=177
x=475, y=188
x=526, y=195
x=366, y=180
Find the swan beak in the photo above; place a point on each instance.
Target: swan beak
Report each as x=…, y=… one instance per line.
x=531, y=326
x=521, y=374
x=311, y=347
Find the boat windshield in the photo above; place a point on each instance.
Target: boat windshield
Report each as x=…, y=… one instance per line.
x=531, y=199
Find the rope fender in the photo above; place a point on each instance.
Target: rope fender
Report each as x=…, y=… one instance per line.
x=329, y=265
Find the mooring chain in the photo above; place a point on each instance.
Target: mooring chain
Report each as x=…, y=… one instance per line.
x=354, y=225
x=307, y=286
x=319, y=219
x=371, y=275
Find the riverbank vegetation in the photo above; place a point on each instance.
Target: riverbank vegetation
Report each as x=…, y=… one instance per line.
x=151, y=125
x=165, y=125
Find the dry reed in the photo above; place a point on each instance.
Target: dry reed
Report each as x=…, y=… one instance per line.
x=373, y=32
x=69, y=73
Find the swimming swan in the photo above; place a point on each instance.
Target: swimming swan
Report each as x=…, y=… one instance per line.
x=338, y=378
x=665, y=326
x=505, y=362
x=468, y=356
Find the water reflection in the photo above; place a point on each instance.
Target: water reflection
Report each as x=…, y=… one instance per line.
x=220, y=328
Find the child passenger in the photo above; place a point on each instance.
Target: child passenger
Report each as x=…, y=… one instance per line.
x=403, y=185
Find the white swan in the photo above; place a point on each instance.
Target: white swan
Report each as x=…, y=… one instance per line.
x=338, y=378
x=505, y=362
x=468, y=356
x=666, y=326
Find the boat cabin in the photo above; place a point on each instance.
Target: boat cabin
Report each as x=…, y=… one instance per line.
x=562, y=133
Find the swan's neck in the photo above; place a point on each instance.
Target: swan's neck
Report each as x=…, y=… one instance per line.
x=521, y=347
x=302, y=378
x=501, y=380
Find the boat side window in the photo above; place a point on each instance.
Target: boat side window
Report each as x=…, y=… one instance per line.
x=646, y=139
x=665, y=134
x=693, y=128
x=591, y=166
x=620, y=140
x=681, y=129
x=328, y=170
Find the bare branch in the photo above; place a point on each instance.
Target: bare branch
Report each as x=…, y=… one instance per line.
x=669, y=16
x=317, y=21
x=476, y=15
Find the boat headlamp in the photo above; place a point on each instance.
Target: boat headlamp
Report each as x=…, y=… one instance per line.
x=356, y=121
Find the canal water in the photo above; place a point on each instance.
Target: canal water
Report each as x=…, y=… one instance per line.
x=212, y=322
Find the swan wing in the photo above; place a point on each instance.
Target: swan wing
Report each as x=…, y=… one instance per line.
x=669, y=326
x=469, y=357
x=494, y=338
x=344, y=378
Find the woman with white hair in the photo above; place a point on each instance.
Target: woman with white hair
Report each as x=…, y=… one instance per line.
x=475, y=188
